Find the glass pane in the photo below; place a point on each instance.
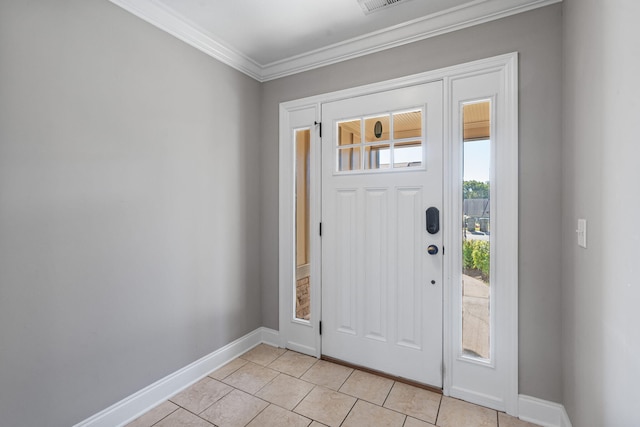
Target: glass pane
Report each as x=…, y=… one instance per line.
x=407, y=125
x=407, y=154
x=476, y=246
x=303, y=279
x=476, y=121
x=376, y=129
x=349, y=159
x=349, y=132
x=377, y=157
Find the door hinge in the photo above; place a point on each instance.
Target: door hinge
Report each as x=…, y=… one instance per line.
x=320, y=229
x=320, y=327
x=319, y=124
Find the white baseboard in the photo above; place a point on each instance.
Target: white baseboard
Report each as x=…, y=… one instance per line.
x=271, y=337
x=304, y=349
x=142, y=401
x=542, y=412
x=481, y=399
x=565, y=421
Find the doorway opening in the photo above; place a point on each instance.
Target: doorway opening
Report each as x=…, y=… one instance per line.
x=342, y=258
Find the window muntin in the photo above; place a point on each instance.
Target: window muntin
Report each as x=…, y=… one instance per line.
x=380, y=142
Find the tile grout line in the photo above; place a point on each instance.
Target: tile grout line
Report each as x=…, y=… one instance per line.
x=388, y=394
x=392, y=410
x=256, y=416
x=345, y=381
x=307, y=370
x=270, y=381
x=349, y=411
x=178, y=407
x=191, y=412
x=305, y=396
x=290, y=376
x=230, y=373
x=435, y=422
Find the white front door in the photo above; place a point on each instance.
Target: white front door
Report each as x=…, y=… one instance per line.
x=381, y=289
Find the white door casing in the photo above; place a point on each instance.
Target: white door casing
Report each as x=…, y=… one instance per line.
x=463, y=378
x=380, y=308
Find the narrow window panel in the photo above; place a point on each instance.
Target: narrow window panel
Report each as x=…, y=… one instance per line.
x=476, y=231
x=302, y=285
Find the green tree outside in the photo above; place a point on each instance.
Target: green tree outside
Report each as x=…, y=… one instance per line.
x=475, y=190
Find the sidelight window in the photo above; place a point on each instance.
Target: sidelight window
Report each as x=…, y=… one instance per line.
x=476, y=230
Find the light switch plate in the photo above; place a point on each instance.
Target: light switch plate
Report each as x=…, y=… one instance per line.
x=582, y=233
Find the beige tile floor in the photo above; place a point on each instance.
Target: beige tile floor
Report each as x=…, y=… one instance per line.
x=274, y=387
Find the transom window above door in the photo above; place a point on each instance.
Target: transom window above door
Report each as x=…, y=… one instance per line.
x=380, y=142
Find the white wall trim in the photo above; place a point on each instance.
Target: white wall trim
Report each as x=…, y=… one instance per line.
x=565, y=421
x=473, y=13
x=478, y=398
x=494, y=62
x=142, y=401
x=269, y=336
x=542, y=412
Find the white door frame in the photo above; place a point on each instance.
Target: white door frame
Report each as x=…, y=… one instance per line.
x=306, y=338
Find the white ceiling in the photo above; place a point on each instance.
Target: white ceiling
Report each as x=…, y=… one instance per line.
x=267, y=39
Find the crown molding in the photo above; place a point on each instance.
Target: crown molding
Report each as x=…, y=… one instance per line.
x=167, y=20
x=467, y=15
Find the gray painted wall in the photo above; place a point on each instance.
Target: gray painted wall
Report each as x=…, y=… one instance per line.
x=601, y=284
x=128, y=208
x=537, y=36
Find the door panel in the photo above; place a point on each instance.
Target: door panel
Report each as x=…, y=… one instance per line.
x=381, y=291
x=375, y=268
